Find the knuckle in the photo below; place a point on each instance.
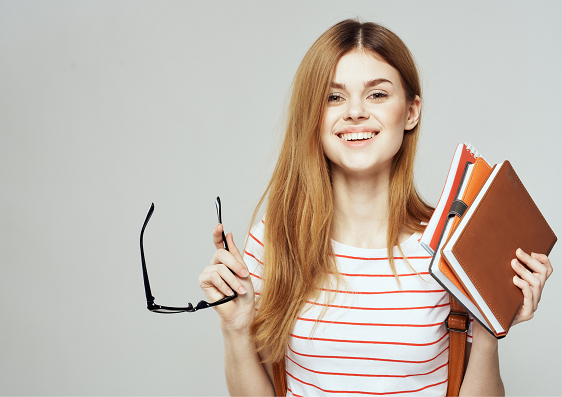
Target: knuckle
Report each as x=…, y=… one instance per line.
x=535, y=282
x=217, y=279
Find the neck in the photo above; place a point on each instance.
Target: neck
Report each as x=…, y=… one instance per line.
x=361, y=208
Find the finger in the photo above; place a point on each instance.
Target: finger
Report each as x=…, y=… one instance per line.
x=231, y=279
x=217, y=236
x=532, y=278
x=545, y=261
x=214, y=285
x=528, y=308
x=233, y=248
x=533, y=265
x=534, y=282
x=225, y=257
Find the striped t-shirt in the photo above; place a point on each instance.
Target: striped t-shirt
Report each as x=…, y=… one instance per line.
x=375, y=338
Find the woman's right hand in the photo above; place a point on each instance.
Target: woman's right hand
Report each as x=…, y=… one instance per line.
x=217, y=280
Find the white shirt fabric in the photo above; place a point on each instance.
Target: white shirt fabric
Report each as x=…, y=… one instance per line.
x=375, y=338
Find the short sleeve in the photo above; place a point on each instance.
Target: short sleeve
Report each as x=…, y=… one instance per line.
x=253, y=256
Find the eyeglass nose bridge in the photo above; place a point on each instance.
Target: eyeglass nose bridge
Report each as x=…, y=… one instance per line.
x=202, y=305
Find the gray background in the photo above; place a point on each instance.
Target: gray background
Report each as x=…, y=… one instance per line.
x=108, y=106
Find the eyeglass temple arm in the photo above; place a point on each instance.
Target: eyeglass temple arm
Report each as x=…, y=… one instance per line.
x=147, y=291
x=219, y=216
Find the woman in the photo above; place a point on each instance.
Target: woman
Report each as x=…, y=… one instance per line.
x=342, y=285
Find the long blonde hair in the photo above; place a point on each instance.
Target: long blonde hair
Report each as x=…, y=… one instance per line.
x=299, y=213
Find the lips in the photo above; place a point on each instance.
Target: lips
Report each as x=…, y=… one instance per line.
x=356, y=136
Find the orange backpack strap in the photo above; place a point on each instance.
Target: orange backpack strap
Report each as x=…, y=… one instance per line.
x=457, y=323
x=280, y=378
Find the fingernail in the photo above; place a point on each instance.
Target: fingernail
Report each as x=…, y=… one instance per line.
x=242, y=290
x=244, y=273
x=229, y=292
x=534, y=255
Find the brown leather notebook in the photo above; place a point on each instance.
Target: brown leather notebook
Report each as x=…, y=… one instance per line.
x=502, y=218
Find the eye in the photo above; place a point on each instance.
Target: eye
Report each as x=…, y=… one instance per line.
x=334, y=98
x=378, y=95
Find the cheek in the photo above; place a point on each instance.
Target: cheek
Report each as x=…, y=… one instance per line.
x=395, y=116
x=327, y=126
x=331, y=116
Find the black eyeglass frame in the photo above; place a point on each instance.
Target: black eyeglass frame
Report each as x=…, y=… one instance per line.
x=153, y=307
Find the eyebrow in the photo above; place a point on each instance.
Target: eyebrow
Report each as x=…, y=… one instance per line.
x=367, y=84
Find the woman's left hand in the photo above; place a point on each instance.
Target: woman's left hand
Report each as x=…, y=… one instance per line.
x=530, y=280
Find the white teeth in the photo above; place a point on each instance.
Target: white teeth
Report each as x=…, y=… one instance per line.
x=353, y=136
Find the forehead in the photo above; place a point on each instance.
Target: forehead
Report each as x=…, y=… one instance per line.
x=358, y=67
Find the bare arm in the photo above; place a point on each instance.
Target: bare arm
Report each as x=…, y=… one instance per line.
x=245, y=374
x=482, y=376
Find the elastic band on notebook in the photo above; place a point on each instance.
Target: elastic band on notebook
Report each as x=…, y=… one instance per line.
x=458, y=208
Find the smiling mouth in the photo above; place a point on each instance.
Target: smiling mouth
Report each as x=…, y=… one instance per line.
x=357, y=136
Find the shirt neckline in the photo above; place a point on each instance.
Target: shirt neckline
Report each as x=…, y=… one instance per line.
x=340, y=248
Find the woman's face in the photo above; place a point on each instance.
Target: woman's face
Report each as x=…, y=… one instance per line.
x=366, y=115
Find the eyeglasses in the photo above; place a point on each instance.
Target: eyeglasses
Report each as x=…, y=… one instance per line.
x=169, y=309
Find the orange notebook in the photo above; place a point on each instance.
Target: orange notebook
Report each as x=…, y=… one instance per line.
x=465, y=152
x=473, y=178
x=478, y=176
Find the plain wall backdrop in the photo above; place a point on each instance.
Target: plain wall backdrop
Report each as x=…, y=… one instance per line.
x=107, y=106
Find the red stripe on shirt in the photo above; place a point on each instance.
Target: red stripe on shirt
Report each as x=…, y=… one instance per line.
x=259, y=242
x=247, y=253
x=380, y=259
x=379, y=308
x=363, y=392
x=382, y=275
x=296, y=395
x=369, y=358
x=370, y=324
x=385, y=292
x=371, y=342
x=366, y=375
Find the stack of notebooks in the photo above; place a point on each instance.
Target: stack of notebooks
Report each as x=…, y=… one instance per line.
x=483, y=216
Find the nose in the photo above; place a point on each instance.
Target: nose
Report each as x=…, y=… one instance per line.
x=355, y=111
